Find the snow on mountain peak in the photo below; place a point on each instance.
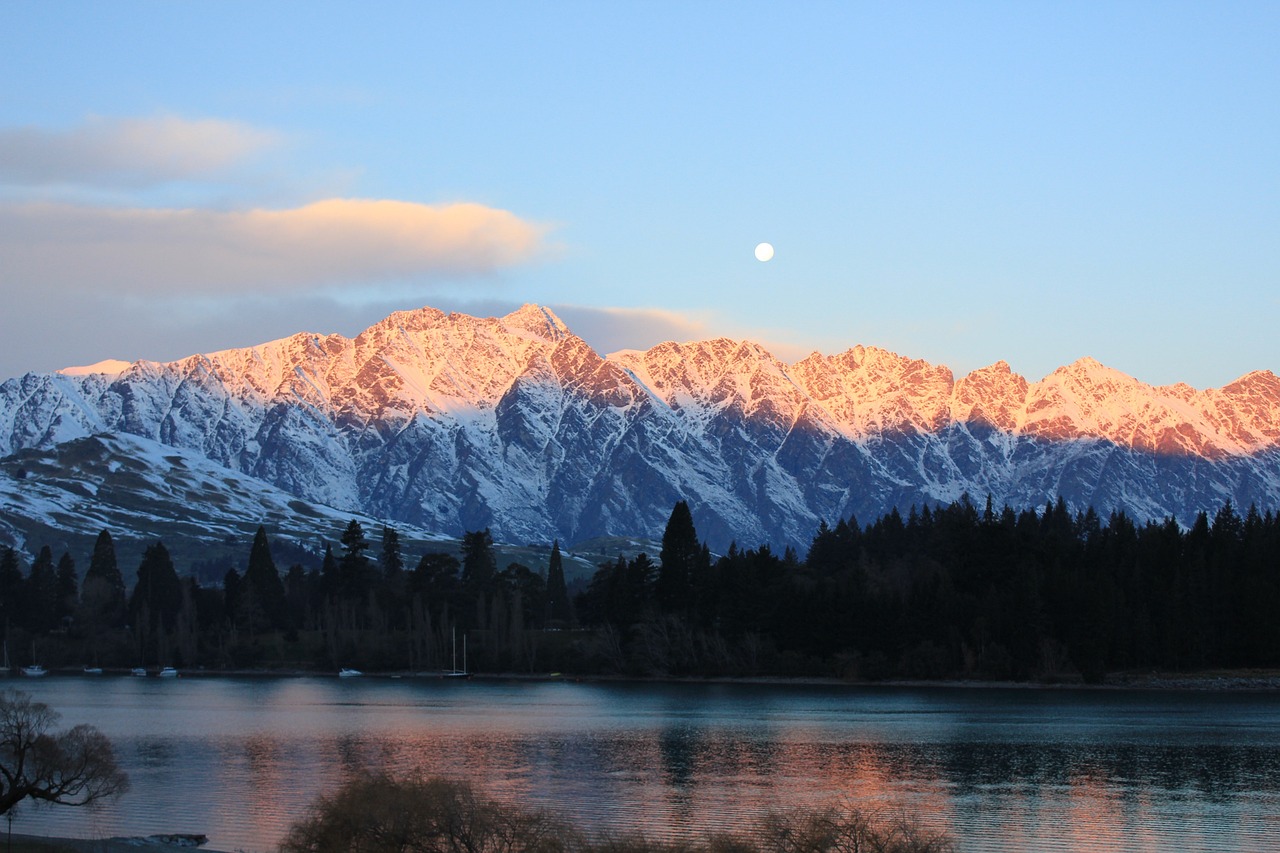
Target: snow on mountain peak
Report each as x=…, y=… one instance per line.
x=426, y=362
x=107, y=367
x=537, y=320
x=453, y=422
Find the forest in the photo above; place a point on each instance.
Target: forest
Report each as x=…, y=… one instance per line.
x=948, y=592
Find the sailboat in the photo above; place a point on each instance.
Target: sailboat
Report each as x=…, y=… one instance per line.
x=35, y=670
x=455, y=672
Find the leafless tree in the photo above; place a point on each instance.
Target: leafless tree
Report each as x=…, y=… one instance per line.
x=75, y=767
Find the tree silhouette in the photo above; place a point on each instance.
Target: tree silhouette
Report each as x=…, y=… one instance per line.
x=353, y=567
x=157, y=589
x=391, y=562
x=68, y=586
x=11, y=588
x=41, y=605
x=678, y=560
x=558, y=608
x=478, y=561
x=262, y=582
x=76, y=767
x=102, y=594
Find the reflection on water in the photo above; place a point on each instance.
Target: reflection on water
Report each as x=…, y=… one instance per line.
x=239, y=759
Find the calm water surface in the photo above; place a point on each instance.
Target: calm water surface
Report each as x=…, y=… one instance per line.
x=240, y=759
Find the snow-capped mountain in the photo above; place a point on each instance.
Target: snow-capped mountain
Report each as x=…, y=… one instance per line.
x=450, y=423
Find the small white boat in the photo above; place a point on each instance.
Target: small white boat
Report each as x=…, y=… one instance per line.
x=139, y=671
x=346, y=672
x=93, y=670
x=34, y=671
x=168, y=672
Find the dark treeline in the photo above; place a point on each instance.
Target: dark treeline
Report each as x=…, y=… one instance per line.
x=947, y=592
x=361, y=605
x=953, y=592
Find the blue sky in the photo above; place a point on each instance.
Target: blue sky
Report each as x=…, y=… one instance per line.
x=1033, y=182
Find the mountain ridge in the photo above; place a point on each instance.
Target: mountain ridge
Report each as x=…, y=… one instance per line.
x=452, y=422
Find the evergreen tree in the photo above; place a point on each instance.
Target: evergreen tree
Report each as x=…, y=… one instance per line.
x=68, y=588
x=393, y=593
x=353, y=568
x=526, y=588
x=479, y=564
x=297, y=594
x=330, y=576
x=558, y=609
x=11, y=589
x=157, y=596
x=641, y=576
x=262, y=581
x=391, y=562
x=232, y=593
x=678, y=561
x=102, y=595
x=40, y=608
x=435, y=583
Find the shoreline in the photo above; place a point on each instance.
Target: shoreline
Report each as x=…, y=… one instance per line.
x=1234, y=680
x=25, y=843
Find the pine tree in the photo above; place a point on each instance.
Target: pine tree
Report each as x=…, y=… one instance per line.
x=330, y=581
x=353, y=568
x=297, y=594
x=392, y=595
x=558, y=609
x=435, y=583
x=679, y=560
x=11, y=588
x=479, y=564
x=157, y=596
x=102, y=594
x=263, y=581
x=391, y=562
x=232, y=592
x=40, y=609
x=68, y=587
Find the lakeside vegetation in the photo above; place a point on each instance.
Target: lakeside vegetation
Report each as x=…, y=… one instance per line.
x=377, y=813
x=947, y=592
x=74, y=767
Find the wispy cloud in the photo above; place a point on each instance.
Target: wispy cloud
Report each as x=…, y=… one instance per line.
x=338, y=241
x=609, y=329
x=127, y=152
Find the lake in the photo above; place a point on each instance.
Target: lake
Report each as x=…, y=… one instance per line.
x=239, y=759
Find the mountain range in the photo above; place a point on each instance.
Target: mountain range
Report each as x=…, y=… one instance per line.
x=445, y=423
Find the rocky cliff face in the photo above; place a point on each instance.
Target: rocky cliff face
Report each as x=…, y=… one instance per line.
x=451, y=422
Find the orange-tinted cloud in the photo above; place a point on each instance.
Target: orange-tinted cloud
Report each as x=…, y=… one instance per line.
x=129, y=152
x=338, y=241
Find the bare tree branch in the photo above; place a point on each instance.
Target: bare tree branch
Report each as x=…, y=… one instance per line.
x=72, y=768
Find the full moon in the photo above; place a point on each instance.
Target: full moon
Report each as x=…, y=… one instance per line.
x=764, y=252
